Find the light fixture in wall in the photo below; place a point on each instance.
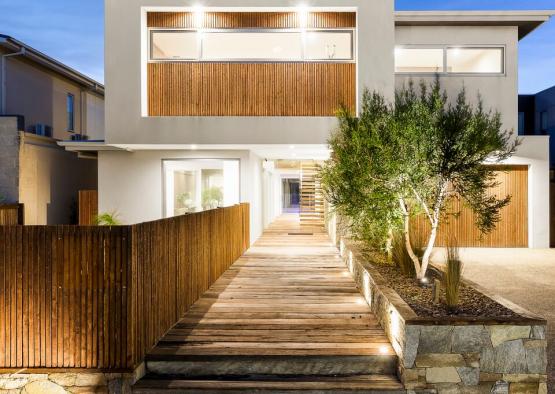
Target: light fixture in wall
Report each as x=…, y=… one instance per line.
x=302, y=14
x=198, y=15
x=194, y=147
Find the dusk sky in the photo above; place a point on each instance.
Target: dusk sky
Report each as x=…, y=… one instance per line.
x=72, y=32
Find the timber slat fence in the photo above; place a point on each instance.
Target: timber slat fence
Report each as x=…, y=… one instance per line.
x=101, y=297
x=11, y=215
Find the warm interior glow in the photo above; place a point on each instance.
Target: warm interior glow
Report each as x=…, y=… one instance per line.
x=174, y=44
x=418, y=60
x=475, y=60
x=252, y=45
x=197, y=185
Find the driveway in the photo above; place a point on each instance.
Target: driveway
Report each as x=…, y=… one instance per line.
x=523, y=276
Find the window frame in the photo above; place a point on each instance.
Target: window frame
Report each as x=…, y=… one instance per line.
x=169, y=30
x=446, y=47
x=303, y=59
x=70, y=121
x=189, y=159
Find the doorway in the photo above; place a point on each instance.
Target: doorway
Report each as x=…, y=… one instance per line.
x=291, y=195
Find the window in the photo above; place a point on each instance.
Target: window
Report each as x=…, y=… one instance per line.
x=329, y=46
x=174, y=44
x=70, y=105
x=252, y=45
x=475, y=60
x=418, y=60
x=461, y=60
x=194, y=185
x=543, y=121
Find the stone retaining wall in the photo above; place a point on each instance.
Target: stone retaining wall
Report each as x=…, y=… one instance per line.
x=455, y=355
x=68, y=382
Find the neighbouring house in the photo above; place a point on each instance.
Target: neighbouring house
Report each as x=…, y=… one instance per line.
x=43, y=101
x=211, y=104
x=536, y=116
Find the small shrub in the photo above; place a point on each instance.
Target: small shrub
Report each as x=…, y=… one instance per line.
x=107, y=219
x=452, y=276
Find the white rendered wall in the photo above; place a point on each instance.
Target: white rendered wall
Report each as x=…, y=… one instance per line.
x=126, y=65
x=534, y=152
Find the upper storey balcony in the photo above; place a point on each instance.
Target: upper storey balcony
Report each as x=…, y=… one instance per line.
x=251, y=64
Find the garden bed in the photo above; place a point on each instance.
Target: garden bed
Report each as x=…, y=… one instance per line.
x=491, y=346
x=472, y=303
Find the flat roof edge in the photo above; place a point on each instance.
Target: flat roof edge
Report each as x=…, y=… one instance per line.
x=526, y=21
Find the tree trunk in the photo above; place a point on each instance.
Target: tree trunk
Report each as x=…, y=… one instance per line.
x=433, y=233
x=429, y=248
x=406, y=233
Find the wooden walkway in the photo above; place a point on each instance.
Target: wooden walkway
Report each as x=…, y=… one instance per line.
x=286, y=313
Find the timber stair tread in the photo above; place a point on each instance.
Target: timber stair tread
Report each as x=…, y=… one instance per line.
x=287, y=316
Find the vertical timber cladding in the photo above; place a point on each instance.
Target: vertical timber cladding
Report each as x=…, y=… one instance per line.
x=250, y=89
x=510, y=232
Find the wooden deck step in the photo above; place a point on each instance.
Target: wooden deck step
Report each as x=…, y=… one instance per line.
x=268, y=366
x=371, y=384
x=286, y=317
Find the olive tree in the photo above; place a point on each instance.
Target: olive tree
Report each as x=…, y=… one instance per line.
x=396, y=161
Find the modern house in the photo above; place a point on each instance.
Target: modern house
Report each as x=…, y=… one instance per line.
x=207, y=102
x=536, y=116
x=43, y=101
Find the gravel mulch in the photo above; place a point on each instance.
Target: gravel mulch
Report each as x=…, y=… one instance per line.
x=472, y=303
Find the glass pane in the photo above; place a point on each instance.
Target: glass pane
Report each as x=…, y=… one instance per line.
x=329, y=46
x=197, y=185
x=249, y=45
x=475, y=60
x=70, y=112
x=174, y=45
x=418, y=60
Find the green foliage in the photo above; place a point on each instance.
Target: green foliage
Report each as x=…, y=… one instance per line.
x=356, y=179
x=107, y=219
x=212, y=197
x=452, y=277
x=397, y=161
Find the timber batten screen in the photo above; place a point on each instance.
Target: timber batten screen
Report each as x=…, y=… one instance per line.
x=510, y=232
x=254, y=89
x=300, y=70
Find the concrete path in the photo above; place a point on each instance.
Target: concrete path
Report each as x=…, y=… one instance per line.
x=523, y=276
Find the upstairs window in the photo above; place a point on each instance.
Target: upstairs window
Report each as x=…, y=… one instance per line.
x=70, y=108
x=450, y=60
x=173, y=44
x=270, y=45
x=335, y=45
x=475, y=60
x=418, y=60
x=251, y=46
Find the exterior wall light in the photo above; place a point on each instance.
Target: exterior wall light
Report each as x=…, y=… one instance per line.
x=198, y=13
x=302, y=14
